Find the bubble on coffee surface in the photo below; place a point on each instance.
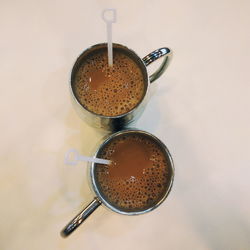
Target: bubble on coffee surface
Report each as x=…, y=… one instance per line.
x=138, y=187
x=109, y=91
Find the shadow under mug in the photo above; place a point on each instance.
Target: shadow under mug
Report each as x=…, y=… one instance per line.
x=99, y=198
x=113, y=123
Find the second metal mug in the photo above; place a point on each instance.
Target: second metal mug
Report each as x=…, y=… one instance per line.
x=112, y=123
x=99, y=198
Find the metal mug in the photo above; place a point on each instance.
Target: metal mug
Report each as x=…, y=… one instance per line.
x=99, y=199
x=112, y=123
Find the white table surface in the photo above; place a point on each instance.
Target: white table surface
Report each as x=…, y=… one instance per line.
x=200, y=108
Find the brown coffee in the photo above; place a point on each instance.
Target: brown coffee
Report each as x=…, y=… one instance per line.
x=105, y=90
x=139, y=175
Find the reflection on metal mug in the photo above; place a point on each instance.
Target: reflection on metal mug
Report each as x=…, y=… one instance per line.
x=116, y=122
x=164, y=181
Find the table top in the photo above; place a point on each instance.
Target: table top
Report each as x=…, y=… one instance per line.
x=199, y=108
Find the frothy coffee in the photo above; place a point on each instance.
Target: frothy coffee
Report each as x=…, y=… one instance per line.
x=109, y=91
x=139, y=175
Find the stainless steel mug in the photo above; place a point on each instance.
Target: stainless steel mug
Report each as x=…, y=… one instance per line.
x=112, y=123
x=99, y=199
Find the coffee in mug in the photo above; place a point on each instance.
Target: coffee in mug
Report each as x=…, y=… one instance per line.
x=139, y=174
x=105, y=90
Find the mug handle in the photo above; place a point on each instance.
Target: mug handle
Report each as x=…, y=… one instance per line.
x=81, y=217
x=153, y=56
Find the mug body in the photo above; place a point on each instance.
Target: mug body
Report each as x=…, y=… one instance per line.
x=110, y=123
x=94, y=182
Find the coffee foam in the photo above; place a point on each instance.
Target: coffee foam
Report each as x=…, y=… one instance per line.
x=134, y=193
x=109, y=91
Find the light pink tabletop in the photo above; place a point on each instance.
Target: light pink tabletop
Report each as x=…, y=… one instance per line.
x=200, y=108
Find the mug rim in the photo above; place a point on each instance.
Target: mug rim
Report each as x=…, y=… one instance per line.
x=142, y=68
x=96, y=189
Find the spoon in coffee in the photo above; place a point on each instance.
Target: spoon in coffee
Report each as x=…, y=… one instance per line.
x=109, y=17
x=72, y=157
